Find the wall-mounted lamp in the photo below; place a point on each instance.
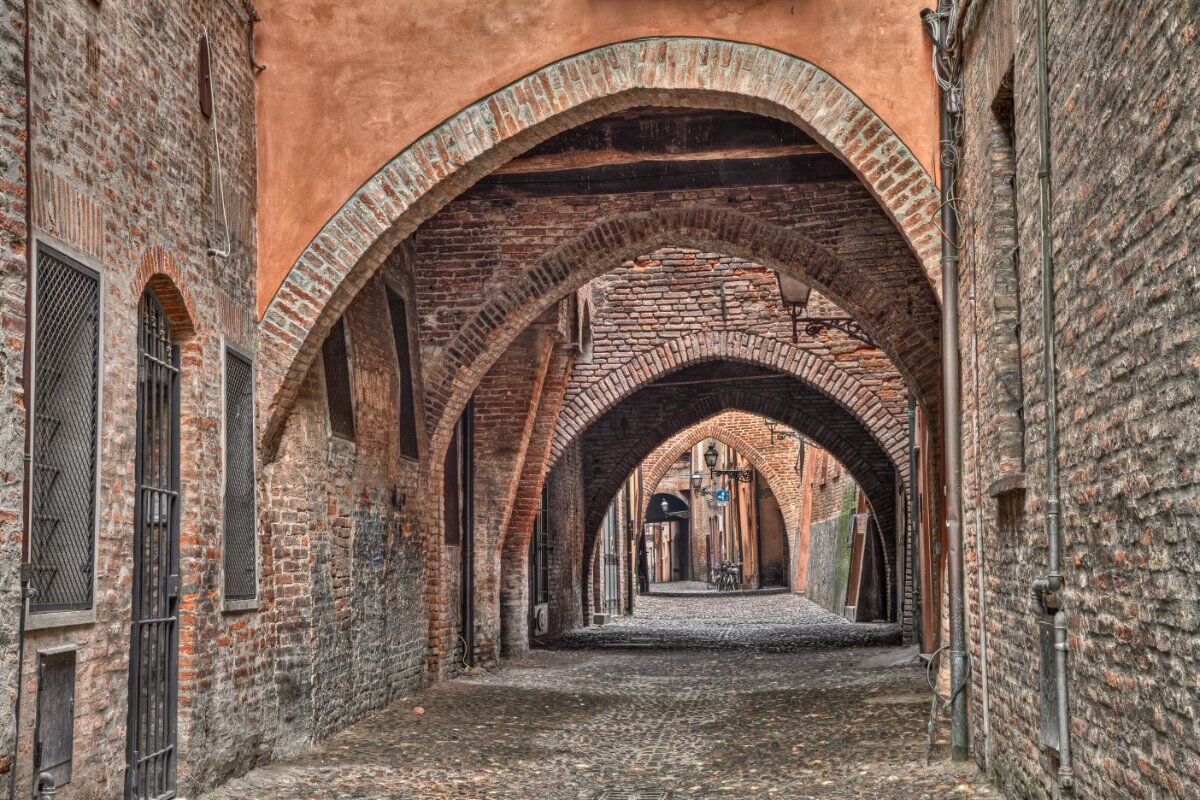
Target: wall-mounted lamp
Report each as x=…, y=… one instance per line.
x=710, y=458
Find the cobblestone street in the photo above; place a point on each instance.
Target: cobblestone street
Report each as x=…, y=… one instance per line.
x=707, y=697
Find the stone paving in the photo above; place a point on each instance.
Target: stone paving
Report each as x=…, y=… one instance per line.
x=690, y=588
x=738, y=699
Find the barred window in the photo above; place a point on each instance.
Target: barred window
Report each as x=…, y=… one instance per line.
x=239, y=550
x=337, y=382
x=408, y=416
x=66, y=387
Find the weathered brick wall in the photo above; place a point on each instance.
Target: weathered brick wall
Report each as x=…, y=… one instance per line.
x=12, y=324
x=124, y=179
x=1123, y=78
x=349, y=562
x=834, y=498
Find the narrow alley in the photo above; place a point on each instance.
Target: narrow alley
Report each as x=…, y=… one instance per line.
x=707, y=697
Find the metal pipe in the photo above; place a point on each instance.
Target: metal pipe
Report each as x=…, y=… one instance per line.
x=1066, y=775
x=26, y=572
x=1048, y=588
x=941, y=26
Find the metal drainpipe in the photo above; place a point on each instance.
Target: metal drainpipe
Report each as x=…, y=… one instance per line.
x=980, y=564
x=1047, y=588
x=914, y=561
x=25, y=573
x=941, y=26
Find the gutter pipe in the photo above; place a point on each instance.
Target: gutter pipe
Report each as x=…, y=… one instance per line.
x=941, y=25
x=1047, y=589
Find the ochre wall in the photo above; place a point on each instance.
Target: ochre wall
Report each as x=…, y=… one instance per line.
x=349, y=85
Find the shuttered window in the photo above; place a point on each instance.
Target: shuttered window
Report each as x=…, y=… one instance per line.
x=239, y=541
x=408, y=416
x=66, y=387
x=337, y=382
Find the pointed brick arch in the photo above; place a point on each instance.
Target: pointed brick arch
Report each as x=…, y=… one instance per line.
x=716, y=427
x=667, y=71
x=675, y=354
x=833, y=429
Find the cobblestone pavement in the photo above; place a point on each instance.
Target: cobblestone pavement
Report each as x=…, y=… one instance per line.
x=689, y=588
x=612, y=718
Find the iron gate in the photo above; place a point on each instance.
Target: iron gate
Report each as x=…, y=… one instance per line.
x=154, y=638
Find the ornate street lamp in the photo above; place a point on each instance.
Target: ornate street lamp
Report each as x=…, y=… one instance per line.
x=794, y=294
x=710, y=458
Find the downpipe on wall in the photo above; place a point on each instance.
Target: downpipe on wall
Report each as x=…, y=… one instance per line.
x=1047, y=589
x=941, y=27
x=26, y=572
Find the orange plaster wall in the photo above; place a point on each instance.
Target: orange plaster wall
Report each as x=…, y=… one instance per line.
x=350, y=83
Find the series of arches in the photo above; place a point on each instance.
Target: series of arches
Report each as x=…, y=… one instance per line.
x=900, y=310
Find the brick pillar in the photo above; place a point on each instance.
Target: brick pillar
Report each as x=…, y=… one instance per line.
x=514, y=568
x=506, y=407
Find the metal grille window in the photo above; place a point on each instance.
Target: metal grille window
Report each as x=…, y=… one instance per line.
x=408, y=416
x=338, y=395
x=239, y=550
x=66, y=387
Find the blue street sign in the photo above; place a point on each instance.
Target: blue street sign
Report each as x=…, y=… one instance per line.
x=722, y=495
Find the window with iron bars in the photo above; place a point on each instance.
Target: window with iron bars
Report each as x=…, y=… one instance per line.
x=241, y=582
x=338, y=394
x=66, y=390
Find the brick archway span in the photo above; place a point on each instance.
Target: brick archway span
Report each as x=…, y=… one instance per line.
x=784, y=490
x=675, y=354
x=908, y=333
x=815, y=416
x=661, y=71
x=712, y=428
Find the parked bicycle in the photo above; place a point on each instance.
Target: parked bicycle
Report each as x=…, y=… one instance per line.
x=727, y=576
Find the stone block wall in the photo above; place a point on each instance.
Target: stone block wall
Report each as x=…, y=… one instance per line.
x=1124, y=156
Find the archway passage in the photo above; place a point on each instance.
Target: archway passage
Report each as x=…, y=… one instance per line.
x=675, y=72
x=626, y=435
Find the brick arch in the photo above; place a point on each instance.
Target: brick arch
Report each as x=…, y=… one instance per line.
x=159, y=271
x=675, y=354
x=834, y=431
x=661, y=71
x=716, y=427
x=908, y=335
x=785, y=492
x=712, y=428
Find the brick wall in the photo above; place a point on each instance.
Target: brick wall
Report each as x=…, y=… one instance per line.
x=125, y=180
x=349, y=560
x=565, y=485
x=1123, y=121
x=833, y=498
